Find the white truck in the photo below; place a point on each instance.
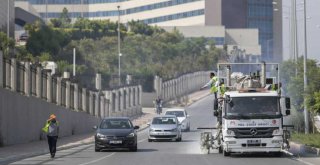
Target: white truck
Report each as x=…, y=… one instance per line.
x=250, y=116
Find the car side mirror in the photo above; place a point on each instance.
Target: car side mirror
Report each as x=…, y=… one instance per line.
x=95, y=127
x=288, y=104
x=288, y=112
x=136, y=127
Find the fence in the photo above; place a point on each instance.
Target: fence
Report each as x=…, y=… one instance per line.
x=32, y=81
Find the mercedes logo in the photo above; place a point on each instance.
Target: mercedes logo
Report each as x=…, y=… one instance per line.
x=253, y=131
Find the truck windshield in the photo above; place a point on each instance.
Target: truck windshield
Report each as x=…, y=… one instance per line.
x=253, y=107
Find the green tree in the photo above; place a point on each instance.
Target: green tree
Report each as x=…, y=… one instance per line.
x=6, y=44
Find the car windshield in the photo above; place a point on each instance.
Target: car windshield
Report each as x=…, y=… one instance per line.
x=253, y=107
x=164, y=120
x=176, y=113
x=116, y=124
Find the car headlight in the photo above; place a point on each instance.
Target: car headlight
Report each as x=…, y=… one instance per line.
x=131, y=135
x=101, y=136
x=277, y=132
x=174, y=130
x=151, y=130
x=230, y=133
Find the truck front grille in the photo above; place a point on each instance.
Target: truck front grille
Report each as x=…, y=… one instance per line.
x=257, y=133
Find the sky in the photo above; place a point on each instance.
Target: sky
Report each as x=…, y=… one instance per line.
x=313, y=28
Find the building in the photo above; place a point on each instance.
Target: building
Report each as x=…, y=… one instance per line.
x=7, y=9
x=240, y=43
x=257, y=14
x=265, y=15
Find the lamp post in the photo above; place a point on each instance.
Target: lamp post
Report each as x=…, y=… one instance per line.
x=119, y=52
x=8, y=20
x=306, y=113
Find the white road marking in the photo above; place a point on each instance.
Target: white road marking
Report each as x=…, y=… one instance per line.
x=142, y=140
x=97, y=160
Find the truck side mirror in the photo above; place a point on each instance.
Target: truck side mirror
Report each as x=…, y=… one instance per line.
x=287, y=112
x=288, y=104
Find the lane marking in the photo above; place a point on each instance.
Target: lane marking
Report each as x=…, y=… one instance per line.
x=97, y=160
x=142, y=140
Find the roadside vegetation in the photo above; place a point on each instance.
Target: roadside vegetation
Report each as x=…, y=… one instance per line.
x=146, y=50
x=293, y=86
x=312, y=140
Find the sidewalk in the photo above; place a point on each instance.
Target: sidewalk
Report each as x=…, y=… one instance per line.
x=22, y=151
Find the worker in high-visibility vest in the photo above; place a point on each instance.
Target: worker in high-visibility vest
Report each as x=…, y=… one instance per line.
x=213, y=83
x=51, y=128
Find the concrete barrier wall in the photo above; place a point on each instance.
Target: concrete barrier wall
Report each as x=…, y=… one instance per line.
x=21, y=118
x=176, y=88
x=30, y=94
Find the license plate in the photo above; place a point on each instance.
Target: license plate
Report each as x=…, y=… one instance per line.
x=115, y=142
x=254, y=141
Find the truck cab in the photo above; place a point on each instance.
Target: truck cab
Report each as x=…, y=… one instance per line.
x=252, y=121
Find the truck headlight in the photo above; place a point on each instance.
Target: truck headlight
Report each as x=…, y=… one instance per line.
x=277, y=132
x=230, y=133
x=101, y=136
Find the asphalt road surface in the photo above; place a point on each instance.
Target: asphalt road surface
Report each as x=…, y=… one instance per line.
x=186, y=152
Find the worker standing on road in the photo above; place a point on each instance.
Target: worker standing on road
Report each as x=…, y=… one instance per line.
x=213, y=83
x=51, y=128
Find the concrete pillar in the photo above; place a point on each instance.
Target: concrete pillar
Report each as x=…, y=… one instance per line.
x=102, y=106
x=8, y=73
x=84, y=100
x=76, y=97
x=128, y=108
x=117, y=101
x=27, y=76
x=97, y=104
x=13, y=74
x=263, y=75
x=68, y=92
x=38, y=82
x=91, y=102
x=228, y=75
x=59, y=79
x=98, y=81
x=1, y=69
x=107, y=108
x=49, y=87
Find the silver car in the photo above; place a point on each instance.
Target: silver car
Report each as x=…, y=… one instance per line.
x=165, y=128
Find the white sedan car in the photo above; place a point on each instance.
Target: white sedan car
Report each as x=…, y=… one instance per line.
x=182, y=116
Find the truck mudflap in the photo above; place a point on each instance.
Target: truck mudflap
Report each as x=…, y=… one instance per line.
x=253, y=145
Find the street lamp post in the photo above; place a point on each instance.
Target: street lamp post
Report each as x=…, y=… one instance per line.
x=8, y=20
x=119, y=52
x=306, y=113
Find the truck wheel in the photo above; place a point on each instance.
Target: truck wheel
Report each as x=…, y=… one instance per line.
x=225, y=153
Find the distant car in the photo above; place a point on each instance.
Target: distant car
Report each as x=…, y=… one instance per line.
x=115, y=133
x=165, y=128
x=182, y=116
x=23, y=37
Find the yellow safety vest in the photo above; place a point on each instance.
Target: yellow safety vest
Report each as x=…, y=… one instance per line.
x=213, y=88
x=222, y=89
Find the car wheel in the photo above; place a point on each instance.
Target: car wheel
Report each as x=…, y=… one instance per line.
x=97, y=149
x=134, y=149
x=150, y=140
x=179, y=139
x=225, y=153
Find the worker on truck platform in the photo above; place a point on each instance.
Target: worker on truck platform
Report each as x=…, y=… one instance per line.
x=213, y=83
x=221, y=88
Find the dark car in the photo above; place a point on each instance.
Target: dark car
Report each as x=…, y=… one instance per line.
x=116, y=133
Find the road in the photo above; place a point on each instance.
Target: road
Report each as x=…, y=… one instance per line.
x=186, y=152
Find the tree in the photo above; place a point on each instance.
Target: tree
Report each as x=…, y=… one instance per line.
x=65, y=19
x=6, y=44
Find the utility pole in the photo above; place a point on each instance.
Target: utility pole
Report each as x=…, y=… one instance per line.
x=119, y=52
x=8, y=20
x=306, y=113
x=295, y=35
x=74, y=62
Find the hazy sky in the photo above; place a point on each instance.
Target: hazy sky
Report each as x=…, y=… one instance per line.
x=313, y=26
